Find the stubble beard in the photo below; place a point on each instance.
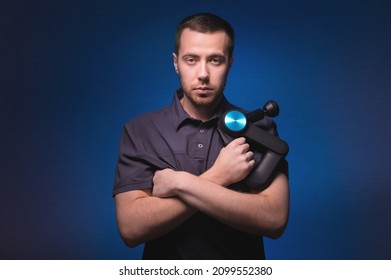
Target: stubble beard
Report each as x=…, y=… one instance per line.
x=205, y=103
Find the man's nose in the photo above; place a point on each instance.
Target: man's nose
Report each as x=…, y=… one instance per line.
x=203, y=73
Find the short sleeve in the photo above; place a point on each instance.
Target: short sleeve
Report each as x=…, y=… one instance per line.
x=134, y=169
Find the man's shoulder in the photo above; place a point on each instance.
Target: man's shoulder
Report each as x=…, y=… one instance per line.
x=150, y=120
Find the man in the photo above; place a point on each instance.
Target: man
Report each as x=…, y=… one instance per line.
x=173, y=183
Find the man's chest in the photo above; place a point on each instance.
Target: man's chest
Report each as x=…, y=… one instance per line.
x=192, y=148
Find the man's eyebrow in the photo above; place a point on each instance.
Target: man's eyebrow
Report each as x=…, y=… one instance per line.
x=190, y=54
x=216, y=55
x=210, y=55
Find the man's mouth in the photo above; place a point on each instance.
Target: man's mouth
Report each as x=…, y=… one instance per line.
x=203, y=90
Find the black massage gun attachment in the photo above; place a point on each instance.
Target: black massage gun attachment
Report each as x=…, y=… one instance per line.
x=270, y=109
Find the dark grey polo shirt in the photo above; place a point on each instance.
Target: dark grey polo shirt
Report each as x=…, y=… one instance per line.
x=169, y=138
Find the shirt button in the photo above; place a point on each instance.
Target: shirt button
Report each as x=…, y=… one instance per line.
x=200, y=146
x=202, y=130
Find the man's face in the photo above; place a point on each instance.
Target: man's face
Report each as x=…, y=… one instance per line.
x=203, y=64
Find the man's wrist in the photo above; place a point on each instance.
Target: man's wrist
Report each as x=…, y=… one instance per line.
x=180, y=180
x=212, y=176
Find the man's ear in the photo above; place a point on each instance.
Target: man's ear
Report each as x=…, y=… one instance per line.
x=175, y=60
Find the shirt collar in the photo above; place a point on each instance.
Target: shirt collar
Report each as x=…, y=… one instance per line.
x=181, y=116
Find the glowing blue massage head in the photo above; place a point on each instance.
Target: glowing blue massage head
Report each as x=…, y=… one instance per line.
x=235, y=121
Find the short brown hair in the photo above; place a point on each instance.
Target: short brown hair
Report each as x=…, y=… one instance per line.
x=205, y=23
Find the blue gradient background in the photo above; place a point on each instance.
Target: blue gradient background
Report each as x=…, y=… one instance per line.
x=73, y=72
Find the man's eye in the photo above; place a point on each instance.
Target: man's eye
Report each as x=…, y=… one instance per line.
x=190, y=60
x=217, y=61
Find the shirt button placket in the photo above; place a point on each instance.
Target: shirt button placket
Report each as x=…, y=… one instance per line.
x=201, y=138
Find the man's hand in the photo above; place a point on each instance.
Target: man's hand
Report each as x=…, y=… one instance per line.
x=233, y=163
x=163, y=183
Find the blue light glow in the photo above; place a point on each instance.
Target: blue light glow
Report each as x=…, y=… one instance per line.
x=235, y=121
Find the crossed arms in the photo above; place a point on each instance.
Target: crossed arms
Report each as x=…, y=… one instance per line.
x=143, y=215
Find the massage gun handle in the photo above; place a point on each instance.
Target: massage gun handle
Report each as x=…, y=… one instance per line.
x=272, y=150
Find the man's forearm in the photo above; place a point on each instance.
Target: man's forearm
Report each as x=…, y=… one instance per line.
x=148, y=217
x=263, y=213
